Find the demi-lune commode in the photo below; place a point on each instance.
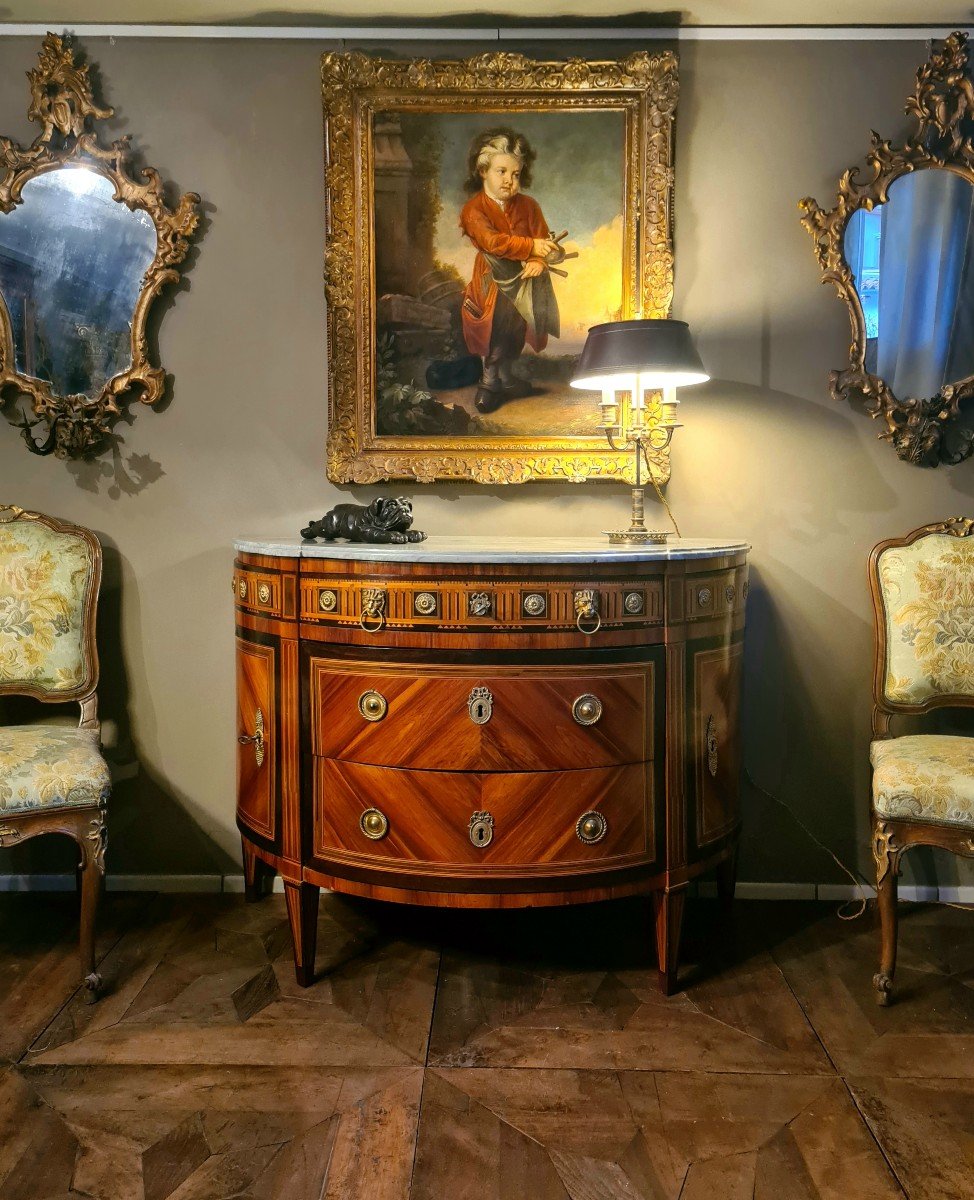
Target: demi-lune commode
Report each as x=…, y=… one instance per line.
x=488, y=723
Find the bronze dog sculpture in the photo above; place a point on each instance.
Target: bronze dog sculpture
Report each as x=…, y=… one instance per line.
x=384, y=521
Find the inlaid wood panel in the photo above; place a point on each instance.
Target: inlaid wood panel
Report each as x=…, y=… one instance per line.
x=256, y=711
x=259, y=592
x=534, y=817
x=715, y=757
x=530, y=727
x=433, y=602
x=714, y=595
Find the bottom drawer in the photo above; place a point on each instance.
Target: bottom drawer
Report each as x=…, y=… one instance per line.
x=469, y=821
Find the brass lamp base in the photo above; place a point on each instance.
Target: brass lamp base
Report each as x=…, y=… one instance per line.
x=637, y=537
x=637, y=534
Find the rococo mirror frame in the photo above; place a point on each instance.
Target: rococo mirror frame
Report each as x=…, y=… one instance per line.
x=923, y=431
x=63, y=104
x=354, y=87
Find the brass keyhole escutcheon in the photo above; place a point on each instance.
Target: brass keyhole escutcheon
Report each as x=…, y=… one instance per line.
x=480, y=705
x=256, y=739
x=591, y=827
x=481, y=829
x=587, y=709
x=374, y=824
x=373, y=705
x=712, y=746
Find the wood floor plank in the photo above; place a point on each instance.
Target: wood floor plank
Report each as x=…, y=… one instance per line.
x=926, y=1130
x=207, y=983
x=557, y=1071
x=928, y=1030
x=40, y=967
x=772, y=1137
x=186, y=1133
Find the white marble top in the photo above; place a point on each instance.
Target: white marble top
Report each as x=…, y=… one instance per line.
x=493, y=549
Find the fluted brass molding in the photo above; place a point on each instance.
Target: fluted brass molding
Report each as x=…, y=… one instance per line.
x=925, y=432
x=353, y=85
x=63, y=104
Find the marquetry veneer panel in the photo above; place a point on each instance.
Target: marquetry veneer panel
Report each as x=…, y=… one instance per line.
x=428, y=723
x=534, y=814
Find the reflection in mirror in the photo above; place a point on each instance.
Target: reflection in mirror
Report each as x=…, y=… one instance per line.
x=72, y=262
x=913, y=263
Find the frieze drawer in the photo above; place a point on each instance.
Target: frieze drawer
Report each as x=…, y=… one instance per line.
x=470, y=820
x=519, y=719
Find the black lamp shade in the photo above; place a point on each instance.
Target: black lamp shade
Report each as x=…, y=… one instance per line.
x=657, y=353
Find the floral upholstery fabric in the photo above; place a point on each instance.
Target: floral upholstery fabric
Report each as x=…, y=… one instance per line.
x=48, y=766
x=924, y=777
x=928, y=597
x=44, y=577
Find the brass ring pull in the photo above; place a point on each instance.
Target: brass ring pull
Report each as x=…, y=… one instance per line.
x=588, y=632
x=256, y=739
x=374, y=824
x=373, y=705
x=587, y=609
x=591, y=827
x=587, y=709
x=374, y=608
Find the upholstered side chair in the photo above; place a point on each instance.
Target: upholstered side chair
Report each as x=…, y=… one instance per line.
x=922, y=784
x=53, y=779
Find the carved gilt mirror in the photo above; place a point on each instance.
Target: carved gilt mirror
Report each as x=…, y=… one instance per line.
x=85, y=247
x=899, y=248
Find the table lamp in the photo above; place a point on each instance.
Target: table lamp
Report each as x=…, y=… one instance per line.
x=626, y=360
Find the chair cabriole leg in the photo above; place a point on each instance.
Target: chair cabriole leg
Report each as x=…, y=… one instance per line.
x=92, y=839
x=886, y=852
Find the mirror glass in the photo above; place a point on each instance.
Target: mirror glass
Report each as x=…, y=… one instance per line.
x=912, y=262
x=72, y=261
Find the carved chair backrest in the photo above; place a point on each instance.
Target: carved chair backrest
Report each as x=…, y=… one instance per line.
x=923, y=601
x=50, y=573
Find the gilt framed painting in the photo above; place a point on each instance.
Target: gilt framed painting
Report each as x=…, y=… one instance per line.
x=481, y=216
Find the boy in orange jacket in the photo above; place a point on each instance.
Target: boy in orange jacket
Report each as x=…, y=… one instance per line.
x=509, y=299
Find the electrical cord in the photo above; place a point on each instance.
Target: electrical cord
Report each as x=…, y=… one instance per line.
x=652, y=480
x=859, y=880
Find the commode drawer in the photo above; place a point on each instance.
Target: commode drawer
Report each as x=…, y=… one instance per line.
x=470, y=821
x=495, y=719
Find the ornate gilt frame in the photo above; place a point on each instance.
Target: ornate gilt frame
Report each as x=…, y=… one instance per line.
x=925, y=432
x=644, y=85
x=63, y=104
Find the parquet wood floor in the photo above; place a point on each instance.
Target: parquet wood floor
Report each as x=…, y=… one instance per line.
x=489, y=1056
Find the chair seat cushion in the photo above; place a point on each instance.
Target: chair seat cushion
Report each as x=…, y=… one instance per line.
x=46, y=766
x=924, y=777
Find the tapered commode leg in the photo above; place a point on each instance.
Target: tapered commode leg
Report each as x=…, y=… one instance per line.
x=257, y=874
x=668, y=908
x=302, y=913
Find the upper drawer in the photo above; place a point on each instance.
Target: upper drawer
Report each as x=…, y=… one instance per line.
x=497, y=719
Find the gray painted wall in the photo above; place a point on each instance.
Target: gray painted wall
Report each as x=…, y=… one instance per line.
x=240, y=449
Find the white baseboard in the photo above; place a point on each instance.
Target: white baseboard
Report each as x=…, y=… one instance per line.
x=212, y=884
